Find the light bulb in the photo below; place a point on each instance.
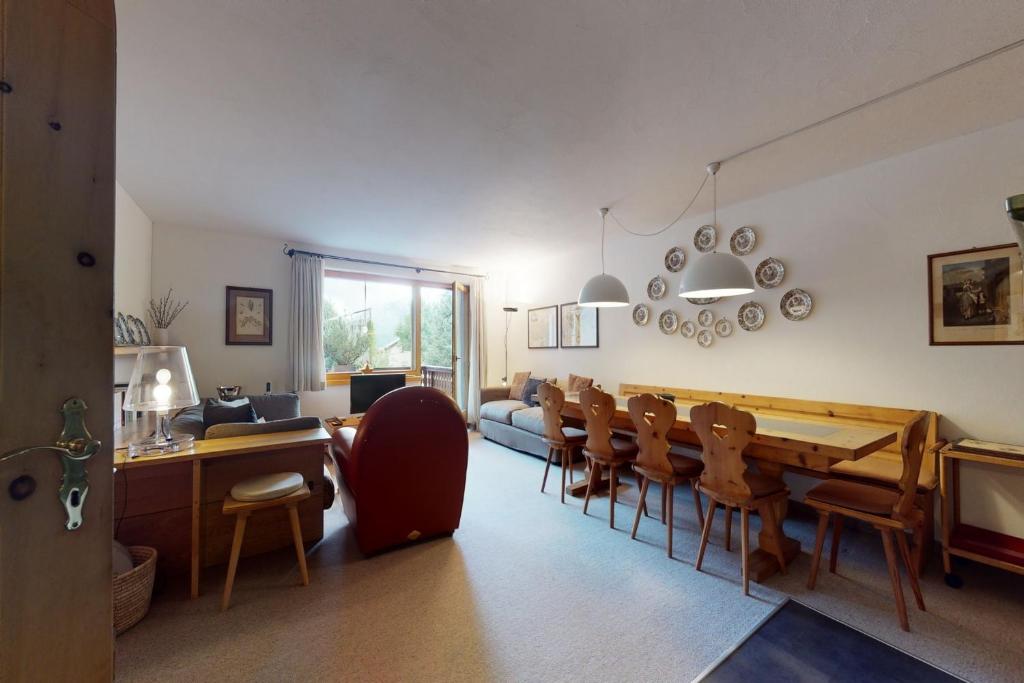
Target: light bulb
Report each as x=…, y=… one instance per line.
x=162, y=394
x=163, y=375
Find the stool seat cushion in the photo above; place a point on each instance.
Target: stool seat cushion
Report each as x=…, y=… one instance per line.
x=267, y=487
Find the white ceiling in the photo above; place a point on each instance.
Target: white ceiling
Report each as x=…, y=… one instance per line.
x=482, y=132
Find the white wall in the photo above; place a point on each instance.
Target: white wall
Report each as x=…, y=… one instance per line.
x=133, y=240
x=199, y=264
x=858, y=243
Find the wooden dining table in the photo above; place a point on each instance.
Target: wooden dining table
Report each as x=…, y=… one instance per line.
x=781, y=440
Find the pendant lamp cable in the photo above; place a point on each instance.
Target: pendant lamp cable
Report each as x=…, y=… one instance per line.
x=674, y=220
x=604, y=214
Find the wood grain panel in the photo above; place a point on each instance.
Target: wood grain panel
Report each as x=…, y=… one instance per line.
x=149, y=490
x=56, y=200
x=266, y=531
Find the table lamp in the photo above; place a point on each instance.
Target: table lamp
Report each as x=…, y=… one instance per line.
x=161, y=381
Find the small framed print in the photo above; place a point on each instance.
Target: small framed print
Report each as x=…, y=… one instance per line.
x=542, y=328
x=579, y=326
x=976, y=296
x=249, y=316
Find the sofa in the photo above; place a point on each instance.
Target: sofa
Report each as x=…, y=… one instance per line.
x=403, y=469
x=279, y=412
x=515, y=424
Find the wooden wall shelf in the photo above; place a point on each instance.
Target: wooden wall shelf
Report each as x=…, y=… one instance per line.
x=126, y=350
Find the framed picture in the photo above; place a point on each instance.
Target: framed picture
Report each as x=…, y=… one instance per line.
x=976, y=296
x=579, y=326
x=542, y=328
x=249, y=317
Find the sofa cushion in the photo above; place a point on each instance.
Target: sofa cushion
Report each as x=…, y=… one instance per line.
x=530, y=390
x=275, y=406
x=518, y=384
x=579, y=383
x=530, y=420
x=189, y=421
x=217, y=412
x=501, y=411
x=226, y=429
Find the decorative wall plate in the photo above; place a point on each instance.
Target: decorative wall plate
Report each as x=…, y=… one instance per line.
x=751, y=316
x=796, y=304
x=742, y=241
x=641, y=314
x=688, y=329
x=723, y=328
x=674, y=259
x=705, y=238
x=705, y=318
x=668, y=321
x=703, y=301
x=704, y=338
x=657, y=287
x=769, y=273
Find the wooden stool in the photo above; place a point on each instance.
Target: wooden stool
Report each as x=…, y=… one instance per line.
x=258, y=494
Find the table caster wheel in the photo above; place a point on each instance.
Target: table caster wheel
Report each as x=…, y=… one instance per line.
x=954, y=581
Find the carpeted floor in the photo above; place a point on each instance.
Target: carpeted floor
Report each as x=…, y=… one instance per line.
x=529, y=589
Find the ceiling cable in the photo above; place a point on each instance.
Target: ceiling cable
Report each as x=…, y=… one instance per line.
x=828, y=119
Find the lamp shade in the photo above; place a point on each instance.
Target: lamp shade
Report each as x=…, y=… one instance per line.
x=716, y=275
x=161, y=380
x=604, y=291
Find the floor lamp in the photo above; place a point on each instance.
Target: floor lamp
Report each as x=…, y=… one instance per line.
x=509, y=310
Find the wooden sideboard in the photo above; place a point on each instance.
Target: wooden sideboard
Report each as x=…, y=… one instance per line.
x=173, y=501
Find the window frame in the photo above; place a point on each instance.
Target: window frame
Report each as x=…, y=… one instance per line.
x=414, y=373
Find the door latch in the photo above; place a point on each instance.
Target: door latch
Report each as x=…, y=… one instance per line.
x=75, y=446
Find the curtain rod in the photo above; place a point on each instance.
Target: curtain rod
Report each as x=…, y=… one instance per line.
x=419, y=269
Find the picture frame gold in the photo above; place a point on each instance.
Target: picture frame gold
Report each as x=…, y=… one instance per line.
x=976, y=296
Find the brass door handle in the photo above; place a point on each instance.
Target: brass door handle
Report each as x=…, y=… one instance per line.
x=75, y=446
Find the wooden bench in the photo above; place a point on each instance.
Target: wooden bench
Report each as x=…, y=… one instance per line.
x=882, y=467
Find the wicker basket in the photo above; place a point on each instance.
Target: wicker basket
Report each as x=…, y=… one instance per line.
x=134, y=588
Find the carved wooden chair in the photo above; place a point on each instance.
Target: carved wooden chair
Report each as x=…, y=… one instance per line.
x=893, y=513
x=559, y=439
x=603, y=448
x=653, y=417
x=724, y=432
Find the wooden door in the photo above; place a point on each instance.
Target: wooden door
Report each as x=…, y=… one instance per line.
x=57, y=59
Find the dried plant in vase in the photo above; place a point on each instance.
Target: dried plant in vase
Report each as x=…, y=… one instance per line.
x=163, y=313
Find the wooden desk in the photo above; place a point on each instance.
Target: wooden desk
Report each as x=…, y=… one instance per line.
x=172, y=501
x=971, y=542
x=781, y=440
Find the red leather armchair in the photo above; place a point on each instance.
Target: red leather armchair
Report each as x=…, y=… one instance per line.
x=403, y=469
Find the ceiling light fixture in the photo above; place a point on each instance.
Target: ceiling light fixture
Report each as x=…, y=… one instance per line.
x=716, y=274
x=604, y=290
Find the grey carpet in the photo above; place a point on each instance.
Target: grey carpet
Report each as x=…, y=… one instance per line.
x=529, y=589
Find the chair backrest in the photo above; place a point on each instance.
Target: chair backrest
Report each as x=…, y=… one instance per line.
x=652, y=417
x=598, y=410
x=912, y=447
x=724, y=467
x=551, y=400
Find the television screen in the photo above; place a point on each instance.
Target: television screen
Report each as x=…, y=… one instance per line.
x=365, y=389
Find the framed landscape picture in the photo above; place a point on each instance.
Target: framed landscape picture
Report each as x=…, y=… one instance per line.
x=579, y=326
x=249, y=317
x=976, y=296
x=542, y=328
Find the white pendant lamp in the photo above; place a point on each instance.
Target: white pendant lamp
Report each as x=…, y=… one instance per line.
x=603, y=291
x=716, y=275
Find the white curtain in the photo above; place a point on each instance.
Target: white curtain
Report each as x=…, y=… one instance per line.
x=305, y=331
x=477, y=353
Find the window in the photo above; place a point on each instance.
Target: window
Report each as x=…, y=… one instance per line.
x=388, y=323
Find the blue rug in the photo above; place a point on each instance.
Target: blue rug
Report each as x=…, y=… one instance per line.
x=797, y=643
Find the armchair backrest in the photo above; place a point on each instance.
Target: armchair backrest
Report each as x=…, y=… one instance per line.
x=598, y=410
x=551, y=399
x=724, y=468
x=652, y=417
x=912, y=447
